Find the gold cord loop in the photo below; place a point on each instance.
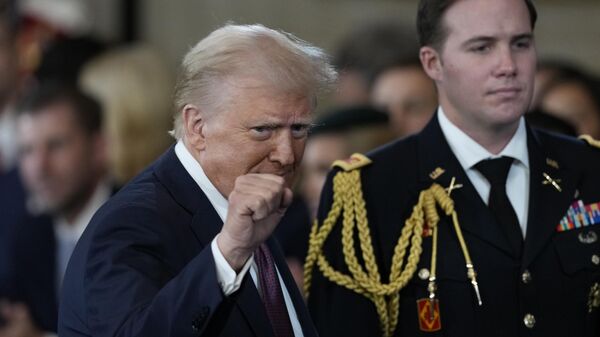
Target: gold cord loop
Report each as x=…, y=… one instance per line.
x=366, y=280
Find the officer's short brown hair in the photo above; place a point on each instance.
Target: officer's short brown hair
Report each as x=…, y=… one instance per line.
x=430, y=13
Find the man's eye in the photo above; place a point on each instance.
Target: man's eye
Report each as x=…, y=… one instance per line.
x=299, y=131
x=480, y=49
x=524, y=44
x=261, y=132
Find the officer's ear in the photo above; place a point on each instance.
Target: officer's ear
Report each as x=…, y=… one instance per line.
x=194, y=123
x=432, y=62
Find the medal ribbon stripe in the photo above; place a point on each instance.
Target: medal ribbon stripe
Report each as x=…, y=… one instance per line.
x=580, y=215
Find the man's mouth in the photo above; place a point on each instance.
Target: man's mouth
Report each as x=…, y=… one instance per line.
x=506, y=92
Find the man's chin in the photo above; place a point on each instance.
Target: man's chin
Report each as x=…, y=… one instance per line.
x=39, y=206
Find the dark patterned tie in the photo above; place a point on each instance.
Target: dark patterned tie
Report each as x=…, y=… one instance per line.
x=272, y=295
x=496, y=172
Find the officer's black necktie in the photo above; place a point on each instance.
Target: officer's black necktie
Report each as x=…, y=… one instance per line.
x=496, y=172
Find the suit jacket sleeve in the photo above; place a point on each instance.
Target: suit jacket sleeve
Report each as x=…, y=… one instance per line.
x=134, y=285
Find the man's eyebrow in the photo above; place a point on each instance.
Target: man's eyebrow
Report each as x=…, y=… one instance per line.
x=268, y=125
x=303, y=123
x=527, y=36
x=274, y=125
x=487, y=39
x=479, y=39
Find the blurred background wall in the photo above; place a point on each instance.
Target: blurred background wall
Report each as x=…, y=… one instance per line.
x=566, y=29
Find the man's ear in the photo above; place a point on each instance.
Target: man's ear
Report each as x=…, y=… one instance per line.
x=432, y=62
x=194, y=123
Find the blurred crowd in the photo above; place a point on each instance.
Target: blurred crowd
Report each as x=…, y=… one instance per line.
x=80, y=117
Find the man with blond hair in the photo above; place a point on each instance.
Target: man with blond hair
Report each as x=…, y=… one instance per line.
x=185, y=248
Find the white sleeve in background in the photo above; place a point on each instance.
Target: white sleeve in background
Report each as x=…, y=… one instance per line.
x=226, y=276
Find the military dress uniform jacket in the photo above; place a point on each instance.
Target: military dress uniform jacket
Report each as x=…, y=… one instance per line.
x=144, y=267
x=547, y=292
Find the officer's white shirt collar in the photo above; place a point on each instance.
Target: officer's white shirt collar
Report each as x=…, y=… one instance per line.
x=192, y=166
x=469, y=152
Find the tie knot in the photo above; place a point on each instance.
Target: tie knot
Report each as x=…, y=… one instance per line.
x=495, y=170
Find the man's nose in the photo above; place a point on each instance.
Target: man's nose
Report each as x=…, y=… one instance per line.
x=283, y=149
x=506, y=63
x=41, y=160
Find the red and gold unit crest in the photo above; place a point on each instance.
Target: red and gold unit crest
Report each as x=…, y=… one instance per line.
x=429, y=315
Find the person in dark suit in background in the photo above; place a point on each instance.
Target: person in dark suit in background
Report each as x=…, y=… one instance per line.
x=12, y=209
x=184, y=248
x=62, y=164
x=479, y=225
x=11, y=189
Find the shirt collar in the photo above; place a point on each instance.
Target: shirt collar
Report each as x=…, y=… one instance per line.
x=74, y=230
x=8, y=145
x=469, y=152
x=192, y=166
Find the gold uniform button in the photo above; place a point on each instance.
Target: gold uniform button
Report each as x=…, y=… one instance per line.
x=529, y=321
x=424, y=274
x=526, y=276
x=595, y=259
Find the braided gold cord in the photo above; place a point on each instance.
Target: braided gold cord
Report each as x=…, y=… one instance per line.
x=366, y=281
x=461, y=239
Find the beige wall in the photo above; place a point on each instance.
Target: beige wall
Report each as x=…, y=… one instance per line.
x=566, y=28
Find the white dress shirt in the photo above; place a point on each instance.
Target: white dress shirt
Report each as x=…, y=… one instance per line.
x=228, y=280
x=469, y=153
x=67, y=234
x=8, y=139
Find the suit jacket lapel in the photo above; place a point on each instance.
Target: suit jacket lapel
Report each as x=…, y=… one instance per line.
x=473, y=214
x=206, y=223
x=251, y=306
x=547, y=205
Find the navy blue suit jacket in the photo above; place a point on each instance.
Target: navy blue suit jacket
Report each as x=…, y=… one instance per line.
x=144, y=267
x=12, y=208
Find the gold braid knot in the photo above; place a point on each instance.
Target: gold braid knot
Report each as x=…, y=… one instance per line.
x=348, y=199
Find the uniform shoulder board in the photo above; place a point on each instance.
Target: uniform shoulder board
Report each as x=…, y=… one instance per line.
x=355, y=161
x=593, y=142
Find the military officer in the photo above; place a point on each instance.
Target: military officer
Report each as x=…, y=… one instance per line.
x=477, y=226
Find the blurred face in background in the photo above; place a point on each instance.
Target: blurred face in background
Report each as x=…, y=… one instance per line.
x=408, y=95
x=573, y=103
x=321, y=151
x=352, y=89
x=59, y=162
